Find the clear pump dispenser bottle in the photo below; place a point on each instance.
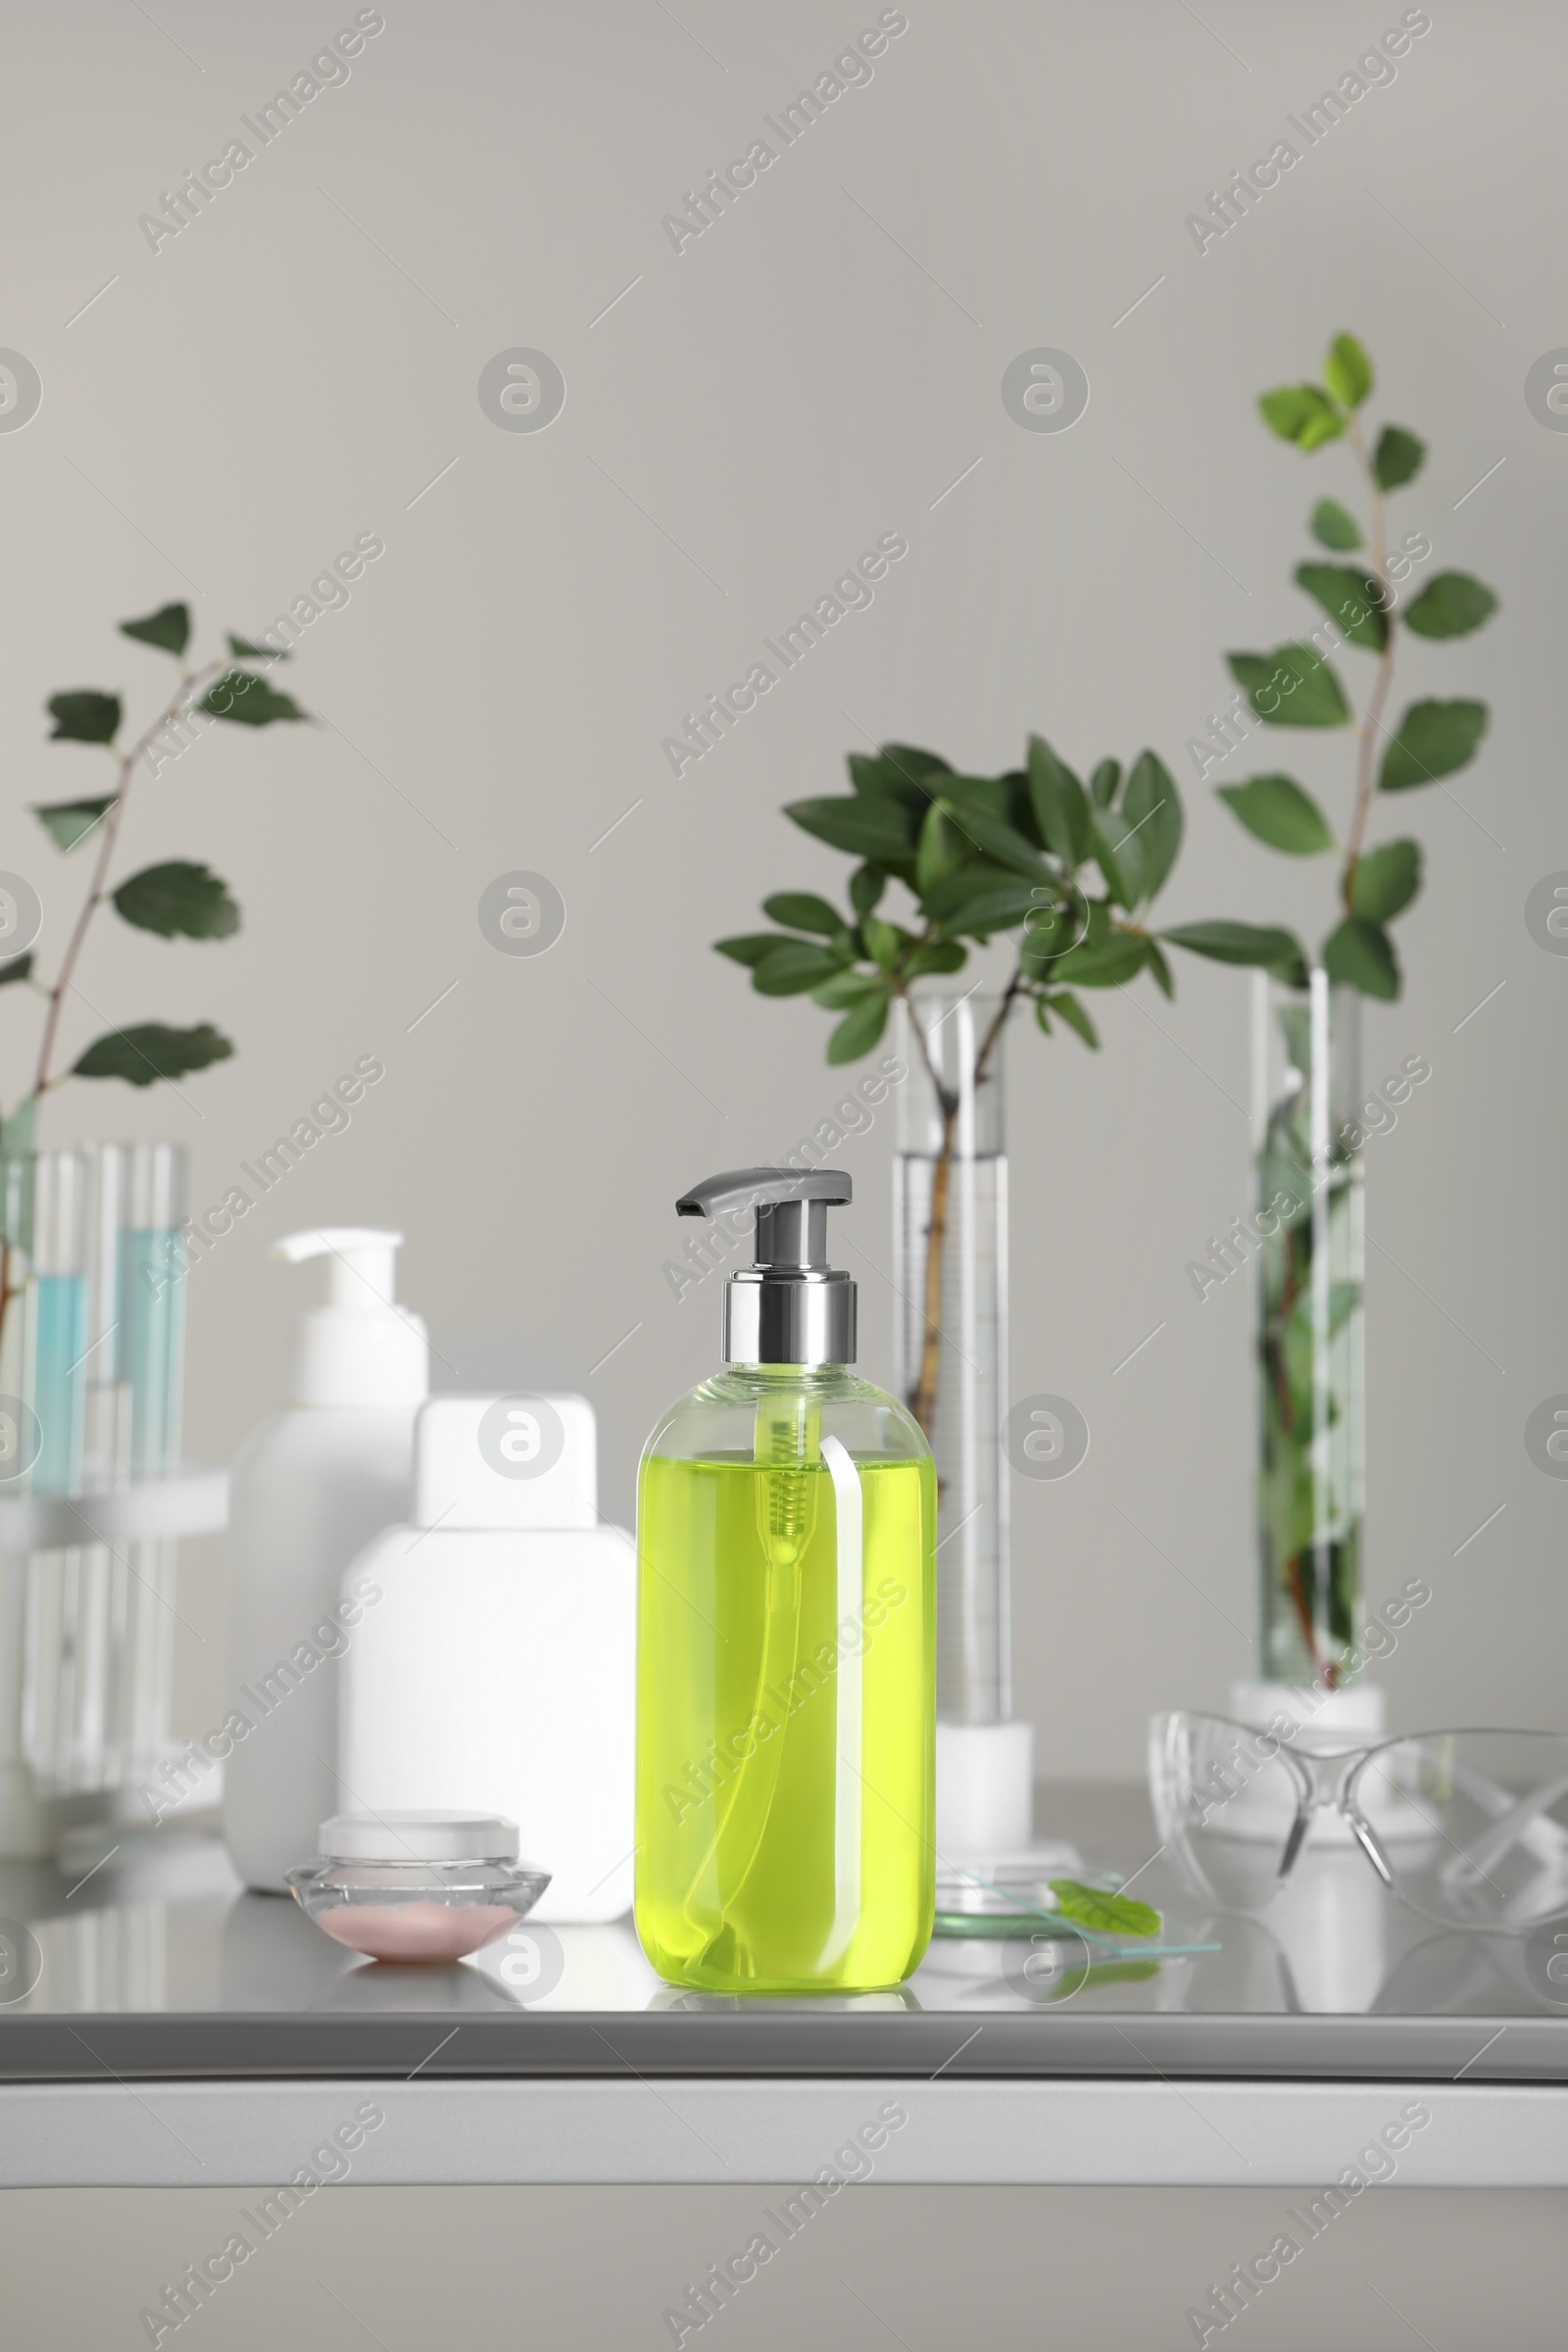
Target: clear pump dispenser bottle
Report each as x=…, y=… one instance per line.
x=786, y=1637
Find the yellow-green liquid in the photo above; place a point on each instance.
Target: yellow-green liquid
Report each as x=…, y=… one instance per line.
x=785, y=1742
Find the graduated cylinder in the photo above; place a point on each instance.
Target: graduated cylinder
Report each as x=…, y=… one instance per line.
x=949, y=1297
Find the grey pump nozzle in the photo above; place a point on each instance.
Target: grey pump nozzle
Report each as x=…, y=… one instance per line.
x=790, y=1306
x=791, y=1207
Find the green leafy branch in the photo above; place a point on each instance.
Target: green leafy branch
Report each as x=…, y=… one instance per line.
x=1295, y=685
x=978, y=857
x=176, y=898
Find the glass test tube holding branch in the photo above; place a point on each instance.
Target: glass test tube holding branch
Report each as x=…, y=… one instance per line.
x=951, y=1326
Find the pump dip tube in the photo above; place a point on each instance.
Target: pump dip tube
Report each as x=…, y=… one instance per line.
x=786, y=1676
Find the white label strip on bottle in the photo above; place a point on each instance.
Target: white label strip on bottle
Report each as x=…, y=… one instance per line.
x=849, y=1783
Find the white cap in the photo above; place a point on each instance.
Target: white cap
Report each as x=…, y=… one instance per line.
x=420, y=1836
x=515, y=1460
x=360, y=1347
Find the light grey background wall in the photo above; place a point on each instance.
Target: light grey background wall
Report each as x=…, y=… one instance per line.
x=299, y=366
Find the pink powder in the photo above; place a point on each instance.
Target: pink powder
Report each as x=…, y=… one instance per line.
x=415, y=1931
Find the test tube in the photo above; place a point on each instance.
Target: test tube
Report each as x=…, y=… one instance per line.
x=104, y=1581
x=19, y=1823
x=57, y=1318
x=150, y=1340
x=150, y=1355
x=56, y=1329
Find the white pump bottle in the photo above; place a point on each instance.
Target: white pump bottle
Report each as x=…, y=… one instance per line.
x=311, y=1487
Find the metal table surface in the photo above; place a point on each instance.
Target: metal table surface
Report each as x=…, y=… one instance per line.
x=182, y=2030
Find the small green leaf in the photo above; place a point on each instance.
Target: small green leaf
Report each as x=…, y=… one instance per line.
x=1152, y=808
x=149, y=1051
x=1019, y=810
x=1277, y=811
x=1110, y=1914
x=85, y=716
x=1104, y=964
x=1433, y=739
x=885, y=779
x=1060, y=808
x=868, y=825
x=994, y=835
x=1286, y=409
x=1396, y=460
x=1451, y=605
x=859, y=1030
x=1386, y=880
x=1332, y=525
x=177, y=900
x=802, y=910
x=1325, y=426
x=943, y=849
x=1052, y=930
x=243, y=651
x=67, y=822
x=1042, y=1016
x=975, y=796
x=1160, y=969
x=1361, y=954
x=980, y=899
x=1269, y=946
x=866, y=885
x=1104, y=782
x=848, y=987
x=1067, y=1006
x=248, y=700
x=1348, y=597
x=1119, y=855
x=1301, y=412
x=912, y=761
x=793, y=969
x=1002, y=909
x=885, y=942
x=19, y=967
x=936, y=955
x=753, y=946
x=169, y=628
x=1291, y=687
x=1347, y=371
x=1108, y=1971
x=949, y=896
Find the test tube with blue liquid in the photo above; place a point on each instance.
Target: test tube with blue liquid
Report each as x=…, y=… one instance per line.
x=56, y=1330
x=103, y=1662
x=150, y=1361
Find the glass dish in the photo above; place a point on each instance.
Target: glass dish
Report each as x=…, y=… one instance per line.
x=400, y=1886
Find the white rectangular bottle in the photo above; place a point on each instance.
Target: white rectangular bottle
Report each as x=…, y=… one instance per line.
x=496, y=1670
